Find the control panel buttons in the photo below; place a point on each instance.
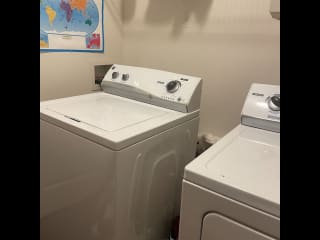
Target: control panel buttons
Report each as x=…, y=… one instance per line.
x=115, y=75
x=173, y=86
x=274, y=103
x=125, y=77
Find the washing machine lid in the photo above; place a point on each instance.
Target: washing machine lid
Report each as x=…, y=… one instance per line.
x=113, y=121
x=244, y=166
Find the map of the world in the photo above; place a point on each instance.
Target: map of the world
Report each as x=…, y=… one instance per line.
x=71, y=25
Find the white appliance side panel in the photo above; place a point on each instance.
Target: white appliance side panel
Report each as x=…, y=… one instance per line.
x=216, y=226
x=77, y=186
x=130, y=194
x=198, y=201
x=149, y=177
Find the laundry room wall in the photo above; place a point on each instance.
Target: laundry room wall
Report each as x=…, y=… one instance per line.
x=72, y=73
x=229, y=43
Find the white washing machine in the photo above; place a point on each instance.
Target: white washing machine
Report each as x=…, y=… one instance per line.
x=111, y=163
x=232, y=190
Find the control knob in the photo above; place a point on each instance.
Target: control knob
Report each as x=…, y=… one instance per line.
x=173, y=86
x=125, y=77
x=115, y=75
x=274, y=103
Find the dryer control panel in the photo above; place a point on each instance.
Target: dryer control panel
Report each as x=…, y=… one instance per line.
x=165, y=89
x=262, y=107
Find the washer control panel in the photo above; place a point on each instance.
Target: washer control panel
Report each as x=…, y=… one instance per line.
x=166, y=89
x=262, y=107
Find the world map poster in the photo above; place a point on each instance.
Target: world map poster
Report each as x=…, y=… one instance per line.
x=71, y=25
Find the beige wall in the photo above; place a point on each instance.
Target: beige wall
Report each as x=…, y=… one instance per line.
x=68, y=74
x=229, y=43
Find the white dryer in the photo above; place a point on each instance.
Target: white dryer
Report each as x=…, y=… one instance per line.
x=232, y=190
x=111, y=163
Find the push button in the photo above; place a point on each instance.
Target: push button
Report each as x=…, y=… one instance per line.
x=125, y=77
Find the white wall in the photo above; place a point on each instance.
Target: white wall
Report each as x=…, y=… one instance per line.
x=70, y=73
x=229, y=43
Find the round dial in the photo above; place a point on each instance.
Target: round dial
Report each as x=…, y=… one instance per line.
x=274, y=103
x=173, y=86
x=115, y=75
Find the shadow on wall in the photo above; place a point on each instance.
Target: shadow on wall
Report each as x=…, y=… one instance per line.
x=115, y=10
x=177, y=12
x=128, y=8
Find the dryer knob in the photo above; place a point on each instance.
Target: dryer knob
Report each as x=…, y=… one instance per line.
x=274, y=103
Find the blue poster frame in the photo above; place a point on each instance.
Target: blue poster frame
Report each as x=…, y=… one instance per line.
x=83, y=50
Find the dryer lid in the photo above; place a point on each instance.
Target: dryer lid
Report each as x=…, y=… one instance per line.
x=244, y=165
